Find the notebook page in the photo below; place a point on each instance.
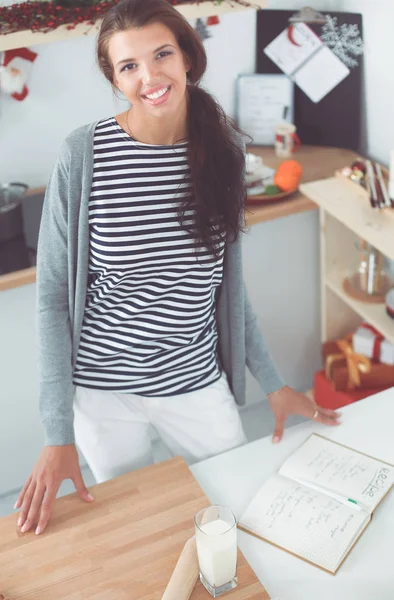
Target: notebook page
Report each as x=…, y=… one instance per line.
x=303, y=521
x=321, y=74
x=288, y=55
x=342, y=470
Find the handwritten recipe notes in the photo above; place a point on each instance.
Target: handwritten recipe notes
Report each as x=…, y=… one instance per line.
x=319, y=502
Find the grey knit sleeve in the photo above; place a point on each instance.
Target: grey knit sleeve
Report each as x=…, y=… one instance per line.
x=53, y=321
x=258, y=358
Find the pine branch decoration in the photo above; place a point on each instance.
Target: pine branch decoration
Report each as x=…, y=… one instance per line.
x=202, y=30
x=344, y=40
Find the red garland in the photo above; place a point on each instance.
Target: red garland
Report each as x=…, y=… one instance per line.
x=46, y=16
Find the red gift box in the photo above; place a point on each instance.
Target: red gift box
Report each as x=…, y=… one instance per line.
x=349, y=370
x=326, y=396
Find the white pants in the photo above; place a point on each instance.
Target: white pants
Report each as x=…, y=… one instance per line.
x=112, y=429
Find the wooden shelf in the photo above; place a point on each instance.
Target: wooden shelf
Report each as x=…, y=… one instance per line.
x=348, y=204
x=35, y=191
x=205, y=8
x=375, y=314
x=17, y=279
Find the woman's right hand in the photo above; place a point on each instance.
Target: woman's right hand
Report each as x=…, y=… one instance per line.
x=36, y=500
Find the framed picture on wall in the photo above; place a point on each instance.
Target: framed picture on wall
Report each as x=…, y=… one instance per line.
x=262, y=102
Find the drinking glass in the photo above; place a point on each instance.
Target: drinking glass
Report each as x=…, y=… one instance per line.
x=216, y=539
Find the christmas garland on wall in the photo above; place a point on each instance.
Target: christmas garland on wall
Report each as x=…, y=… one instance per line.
x=47, y=15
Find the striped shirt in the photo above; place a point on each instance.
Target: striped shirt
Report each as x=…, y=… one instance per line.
x=149, y=324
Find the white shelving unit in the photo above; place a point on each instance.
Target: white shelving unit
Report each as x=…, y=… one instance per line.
x=205, y=8
x=345, y=217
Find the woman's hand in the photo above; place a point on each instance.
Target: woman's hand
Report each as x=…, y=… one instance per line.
x=286, y=402
x=55, y=464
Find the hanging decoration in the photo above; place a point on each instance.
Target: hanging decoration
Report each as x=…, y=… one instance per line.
x=202, y=30
x=12, y=80
x=46, y=16
x=344, y=40
x=213, y=20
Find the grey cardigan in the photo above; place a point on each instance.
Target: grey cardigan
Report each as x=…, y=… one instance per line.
x=62, y=271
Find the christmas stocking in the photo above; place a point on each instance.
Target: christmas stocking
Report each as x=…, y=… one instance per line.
x=13, y=81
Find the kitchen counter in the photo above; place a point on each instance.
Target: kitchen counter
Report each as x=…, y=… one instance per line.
x=318, y=162
x=125, y=545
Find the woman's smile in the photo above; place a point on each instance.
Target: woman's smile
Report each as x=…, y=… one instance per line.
x=158, y=97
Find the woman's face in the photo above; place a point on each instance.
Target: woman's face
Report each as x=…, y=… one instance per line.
x=150, y=69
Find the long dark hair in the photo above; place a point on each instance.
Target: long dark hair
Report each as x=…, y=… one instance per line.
x=215, y=150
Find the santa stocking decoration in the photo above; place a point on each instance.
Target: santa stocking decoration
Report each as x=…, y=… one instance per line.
x=12, y=80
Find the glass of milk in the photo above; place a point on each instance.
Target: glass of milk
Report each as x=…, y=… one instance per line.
x=216, y=539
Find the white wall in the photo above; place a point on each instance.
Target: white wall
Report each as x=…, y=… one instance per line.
x=378, y=19
x=280, y=257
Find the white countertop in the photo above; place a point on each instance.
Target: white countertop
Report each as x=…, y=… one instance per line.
x=234, y=477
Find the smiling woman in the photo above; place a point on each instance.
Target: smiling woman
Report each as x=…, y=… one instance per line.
x=143, y=317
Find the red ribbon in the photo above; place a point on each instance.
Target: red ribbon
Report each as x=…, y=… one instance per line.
x=377, y=341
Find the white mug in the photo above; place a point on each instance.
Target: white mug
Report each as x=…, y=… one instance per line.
x=286, y=140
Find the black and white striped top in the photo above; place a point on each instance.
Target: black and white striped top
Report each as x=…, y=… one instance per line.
x=149, y=324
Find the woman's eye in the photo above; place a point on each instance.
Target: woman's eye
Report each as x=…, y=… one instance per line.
x=128, y=67
x=131, y=66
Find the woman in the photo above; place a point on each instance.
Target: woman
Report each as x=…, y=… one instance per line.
x=142, y=314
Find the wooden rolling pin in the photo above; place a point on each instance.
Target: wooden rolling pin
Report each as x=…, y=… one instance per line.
x=185, y=574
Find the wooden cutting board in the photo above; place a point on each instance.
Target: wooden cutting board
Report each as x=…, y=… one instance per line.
x=125, y=545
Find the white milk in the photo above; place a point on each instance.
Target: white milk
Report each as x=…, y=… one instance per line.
x=217, y=554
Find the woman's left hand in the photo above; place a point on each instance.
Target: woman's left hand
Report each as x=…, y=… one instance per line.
x=286, y=402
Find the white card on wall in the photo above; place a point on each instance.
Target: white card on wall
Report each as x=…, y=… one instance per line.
x=291, y=48
x=302, y=55
x=321, y=74
x=263, y=101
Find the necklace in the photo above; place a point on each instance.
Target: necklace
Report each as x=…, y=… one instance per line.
x=134, y=138
x=127, y=124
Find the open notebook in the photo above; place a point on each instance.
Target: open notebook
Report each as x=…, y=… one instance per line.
x=319, y=502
